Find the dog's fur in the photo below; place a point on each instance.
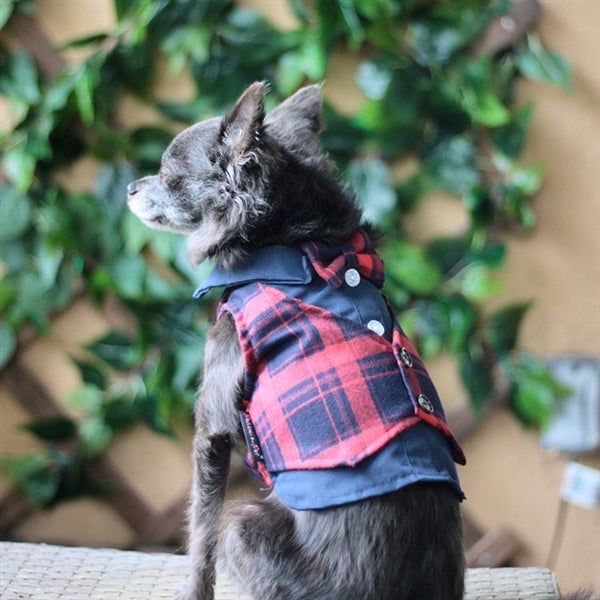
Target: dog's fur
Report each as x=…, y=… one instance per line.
x=234, y=184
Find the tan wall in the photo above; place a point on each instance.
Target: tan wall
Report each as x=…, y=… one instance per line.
x=508, y=480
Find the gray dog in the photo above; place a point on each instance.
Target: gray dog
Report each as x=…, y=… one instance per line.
x=307, y=369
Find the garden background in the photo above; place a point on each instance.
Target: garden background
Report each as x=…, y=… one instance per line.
x=509, y=482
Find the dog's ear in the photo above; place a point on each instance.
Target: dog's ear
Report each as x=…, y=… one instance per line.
x=241, y=128
x=296, y=122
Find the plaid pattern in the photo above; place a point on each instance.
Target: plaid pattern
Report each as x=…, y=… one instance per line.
x=331, y=261
x=322, y=391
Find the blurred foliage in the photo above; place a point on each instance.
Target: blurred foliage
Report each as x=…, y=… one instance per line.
x=428, y=96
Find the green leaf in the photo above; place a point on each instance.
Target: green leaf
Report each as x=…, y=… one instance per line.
x=37, y=477
x=492, y=254
x=57, y=93
x=536, y=391
x=299, y=8
x=476, y=282
x=8, y=292
x=502, y=328
x=253, y=41
x=411, y=191
x=165, y=245
x=48, y=263
x=95, y=435
x=135, y=234
x=395, y=127
x=15, y=213
x=52, y=429
x=342, y=136
x=6, y=9
x=370, y=179
x=408, y=264
x=19, y=166
x=189, y=361
x=128, y=274
x=91, y=374
x=87, y=397
x=8, y=343
x=528, y=181
x=374, y=79
x=133, y=65
x=433, y=43
x=429, y=324
x=120, y=413
x=510, y=138
x=485, y=108
x=19, y=78
x=539, y=64
x=352, y=22
x=117, y=349
x=148, y=144
x=88, y=40
x=149, y=406
x=192, y=41
x=290, y=72
x=451, y=165
x=447, y=252
x=33, y=301
x=513, y=198
x=533, y=401
x=475, y=373
x=110, y=188
x=462, y=319
x=159, y=289
x=478, y=201
x=185, y=112
x=313, y=57
x=86, y=78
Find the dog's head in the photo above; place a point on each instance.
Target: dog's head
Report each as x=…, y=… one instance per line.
x=222, y=180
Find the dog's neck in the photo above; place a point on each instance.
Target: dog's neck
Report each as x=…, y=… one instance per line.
x=308, y=204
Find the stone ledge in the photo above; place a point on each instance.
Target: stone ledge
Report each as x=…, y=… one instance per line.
x=45, y=572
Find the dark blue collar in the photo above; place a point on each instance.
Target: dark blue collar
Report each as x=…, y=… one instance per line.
x=271, y=264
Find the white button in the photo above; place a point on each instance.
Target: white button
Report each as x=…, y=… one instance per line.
x=352, y=277
x=376, y=326
x=425, y=403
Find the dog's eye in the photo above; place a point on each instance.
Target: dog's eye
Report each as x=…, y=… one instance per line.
x=170, y=181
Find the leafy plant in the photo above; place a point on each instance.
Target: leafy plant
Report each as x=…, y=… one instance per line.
x=428, y=96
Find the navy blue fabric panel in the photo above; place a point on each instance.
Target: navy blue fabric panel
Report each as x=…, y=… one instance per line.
x=272, y=264
x=360, y=304
x=417, y=455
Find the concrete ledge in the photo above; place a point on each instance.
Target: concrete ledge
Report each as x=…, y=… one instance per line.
x=44, y=572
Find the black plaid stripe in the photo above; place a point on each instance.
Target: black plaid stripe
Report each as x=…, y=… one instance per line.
x=384, y=382
x=319, y=413
x=268, y=440
x=284, y=333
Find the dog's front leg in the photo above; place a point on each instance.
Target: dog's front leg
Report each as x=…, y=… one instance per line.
x=216, y=433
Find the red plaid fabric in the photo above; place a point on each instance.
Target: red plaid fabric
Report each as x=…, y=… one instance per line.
x=331, y=261
x=323, y=391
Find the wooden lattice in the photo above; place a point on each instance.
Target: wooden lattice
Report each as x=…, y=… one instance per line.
x=164, y=528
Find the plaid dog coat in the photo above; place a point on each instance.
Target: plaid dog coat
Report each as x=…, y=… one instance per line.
x=330, y=380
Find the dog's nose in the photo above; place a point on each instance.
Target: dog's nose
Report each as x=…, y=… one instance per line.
x=132, y=188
